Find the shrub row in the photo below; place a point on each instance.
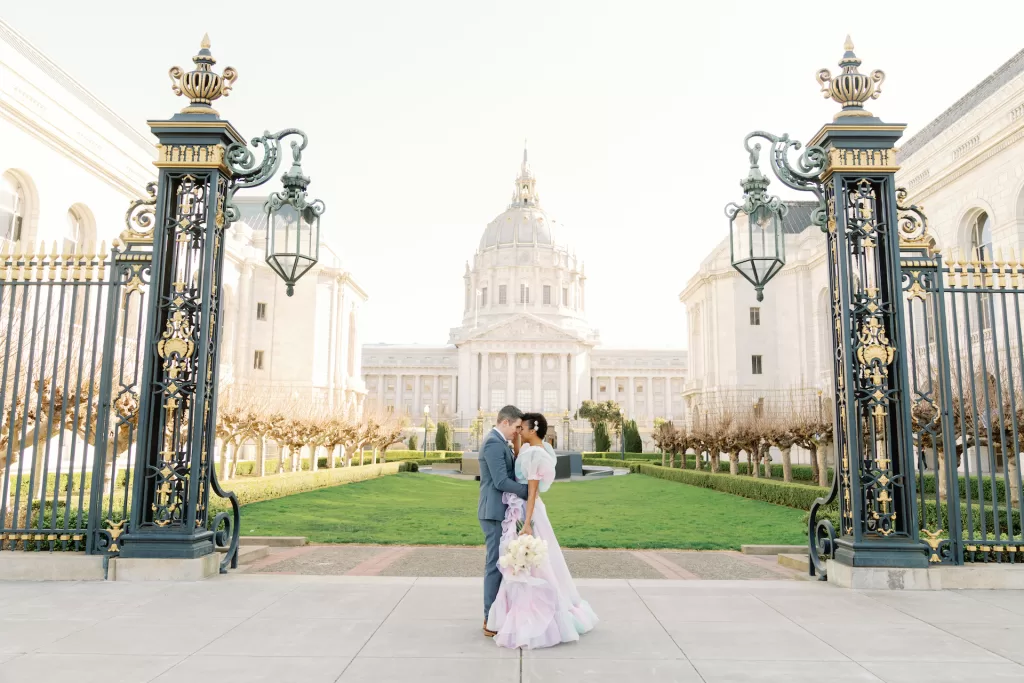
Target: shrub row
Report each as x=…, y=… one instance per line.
x=399, y=454
x=799, y=496
x=618, y=454
x=259, y=489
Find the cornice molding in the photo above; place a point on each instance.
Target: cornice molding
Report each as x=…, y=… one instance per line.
x=76, y=155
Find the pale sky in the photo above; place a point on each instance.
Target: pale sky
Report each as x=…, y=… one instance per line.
x=635, y=113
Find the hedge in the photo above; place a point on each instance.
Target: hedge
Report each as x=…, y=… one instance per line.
x=258, y=489
x=397, y=454
x=799, y=496
x=618, y=454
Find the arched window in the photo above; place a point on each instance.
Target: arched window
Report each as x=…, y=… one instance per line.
x=73, y=232
x=12, y=208
x=981, y=237
x=981, y=250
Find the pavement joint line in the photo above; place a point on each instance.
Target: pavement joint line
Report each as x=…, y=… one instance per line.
x=374, y=565
x=382, y=622
x=275, y=558
x=663, y=566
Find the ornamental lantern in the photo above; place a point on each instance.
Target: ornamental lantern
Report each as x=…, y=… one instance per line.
x=756, y=237
x=293, y=227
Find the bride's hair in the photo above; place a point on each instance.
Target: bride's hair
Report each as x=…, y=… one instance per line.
x=537, y=423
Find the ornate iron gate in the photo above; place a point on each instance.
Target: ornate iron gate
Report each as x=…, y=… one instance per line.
x=72, y=342
x=965, y=351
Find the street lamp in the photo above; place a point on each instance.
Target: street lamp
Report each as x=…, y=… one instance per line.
x=426, y=419
x=757, y=243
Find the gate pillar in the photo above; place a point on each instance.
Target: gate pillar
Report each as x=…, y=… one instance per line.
x=169, y=513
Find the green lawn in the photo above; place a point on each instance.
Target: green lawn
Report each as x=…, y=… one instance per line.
x=631, y=511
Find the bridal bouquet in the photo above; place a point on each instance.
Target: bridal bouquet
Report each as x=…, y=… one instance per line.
x=523, y=554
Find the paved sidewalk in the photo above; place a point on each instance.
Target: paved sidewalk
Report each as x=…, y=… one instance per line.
x=317, y=629
x=436, y=561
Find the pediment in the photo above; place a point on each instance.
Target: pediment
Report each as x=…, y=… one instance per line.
x=524, y=327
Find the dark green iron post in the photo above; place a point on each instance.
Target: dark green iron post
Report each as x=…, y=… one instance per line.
x=850, y=166
x=169, y=516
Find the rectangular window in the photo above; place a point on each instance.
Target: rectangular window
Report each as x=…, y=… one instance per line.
x=261, y=311
x=755, y=315
x=602, y=388
x=524, y=294
x=257, y=360
x=524, y=399
x=639, y=388
x=565, y=296
x=621, y=389
x=547, y=295
x=483, y=296
x=550, y=401
x=497, y=400
x=755, y=365
x=502, y=295
x=408, y=407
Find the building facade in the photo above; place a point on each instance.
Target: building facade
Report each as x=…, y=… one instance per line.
x=524, y=337
x=69, y=168
x=965, y=169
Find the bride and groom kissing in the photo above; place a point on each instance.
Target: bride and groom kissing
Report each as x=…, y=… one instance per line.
x=530, y=600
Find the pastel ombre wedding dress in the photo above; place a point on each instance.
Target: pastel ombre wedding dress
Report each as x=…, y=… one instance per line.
x=540, y=608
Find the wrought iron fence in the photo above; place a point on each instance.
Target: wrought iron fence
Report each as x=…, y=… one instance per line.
x=70, y=339
x=966, y=357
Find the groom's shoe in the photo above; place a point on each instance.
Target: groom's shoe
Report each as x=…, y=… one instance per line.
x=487, y=632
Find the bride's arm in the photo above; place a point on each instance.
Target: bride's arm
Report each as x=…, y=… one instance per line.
x=531, y=500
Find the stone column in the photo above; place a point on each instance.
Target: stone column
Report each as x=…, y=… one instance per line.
x=417, y=402
x=510, y=392
x=649, y=389
x=246, y=313
x=563, y=383
x=631, y=395
x=538, y=382
x=399, y=394
x=484, y=399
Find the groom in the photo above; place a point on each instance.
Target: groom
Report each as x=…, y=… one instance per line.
x=497, y=476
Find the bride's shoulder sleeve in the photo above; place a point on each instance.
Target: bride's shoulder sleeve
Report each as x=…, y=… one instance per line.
x=539, y=465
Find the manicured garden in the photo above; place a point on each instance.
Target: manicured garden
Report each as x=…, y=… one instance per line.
x=633, y=511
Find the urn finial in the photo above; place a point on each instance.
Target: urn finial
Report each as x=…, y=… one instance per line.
x=850, y=88
x=202, y=85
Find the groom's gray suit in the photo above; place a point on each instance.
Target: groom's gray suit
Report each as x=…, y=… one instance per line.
x=497, y=476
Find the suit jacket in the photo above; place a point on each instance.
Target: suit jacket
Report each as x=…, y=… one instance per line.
x=497, y=476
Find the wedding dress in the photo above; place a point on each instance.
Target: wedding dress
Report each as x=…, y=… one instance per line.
x=541, y=608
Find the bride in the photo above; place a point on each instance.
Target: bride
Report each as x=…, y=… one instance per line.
x=544, y=608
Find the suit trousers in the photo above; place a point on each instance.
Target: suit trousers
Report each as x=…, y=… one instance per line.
x=492, y=575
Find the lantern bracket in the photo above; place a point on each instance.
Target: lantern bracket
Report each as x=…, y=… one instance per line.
x=803, y=176
x=246, y=173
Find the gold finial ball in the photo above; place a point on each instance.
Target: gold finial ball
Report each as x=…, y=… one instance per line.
x=202, y=85
x=850, y=88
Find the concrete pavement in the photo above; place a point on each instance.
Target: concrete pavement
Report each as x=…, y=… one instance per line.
x=320, y=629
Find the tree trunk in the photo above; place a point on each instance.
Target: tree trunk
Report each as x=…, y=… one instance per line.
x=282, y=451
x=819, y=456
x=768, y=462
x=223, y=468
x=815, y=476
x=663, y=454
x=234, y=460
x=296, y=454
x=940, y=457
x=374, y=455
x=362, y=456
x=750, y=464
x=331, y=451
x=1011, y=466
x=734, y=463
x=261, y=457
x=755, y=466
x=715, y=459
x=314, y=458
x=787, y=464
